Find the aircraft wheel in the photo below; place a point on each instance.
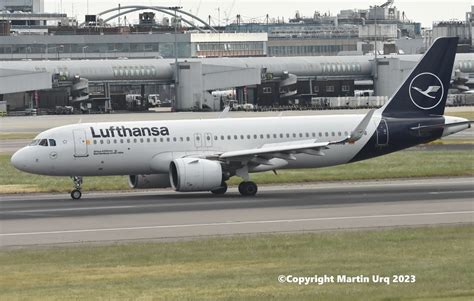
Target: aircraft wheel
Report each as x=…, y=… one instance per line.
x=76, y=194
x=248, y=188
x=220, y=190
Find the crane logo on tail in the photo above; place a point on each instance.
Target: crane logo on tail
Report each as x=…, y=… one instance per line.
x=426, y=91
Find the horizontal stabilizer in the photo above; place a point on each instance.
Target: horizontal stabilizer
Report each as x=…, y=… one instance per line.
x=428, y=128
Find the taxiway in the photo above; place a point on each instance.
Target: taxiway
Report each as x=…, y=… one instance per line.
x=48, y=219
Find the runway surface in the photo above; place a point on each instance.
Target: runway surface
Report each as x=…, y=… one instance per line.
x=48, y=219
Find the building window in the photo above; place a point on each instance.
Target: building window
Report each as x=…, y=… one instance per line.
x=267, y=90
x=315, y=89
x=329, y=88
x=345, y=88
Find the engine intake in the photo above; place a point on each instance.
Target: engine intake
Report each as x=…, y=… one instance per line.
x=149, y=181
x=193, y=174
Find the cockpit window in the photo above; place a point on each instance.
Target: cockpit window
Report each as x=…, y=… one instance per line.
x=52, y=142
x=34, y=142
x=43, y=142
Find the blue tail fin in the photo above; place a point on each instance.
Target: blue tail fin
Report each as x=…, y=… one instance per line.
x=425, y=90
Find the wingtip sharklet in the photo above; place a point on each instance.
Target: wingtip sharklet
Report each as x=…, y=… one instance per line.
x=360, y=129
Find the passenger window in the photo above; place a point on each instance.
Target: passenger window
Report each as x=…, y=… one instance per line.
x=115, y=141
x=242, y=137
x=161, y=139
x=108, y=141
x=188, y=139
x=148, y=140
x=261, y=136
x=235, y=137
x=268, y=136
x=313, y=134
x=180, y=139
x=281, y=135
x=320, y=134
x=301, y=135
x=294, y=135
x=339, y=134
x=101, y=141
x=248, y=136
x=43, y=142
x=52, y=142
x=229, y=137
x=326, y=134
x=174, y=139
x=121, y=141
x=222, y=137
x=128, y=140
x=155, y=140
x=95, y=141
x=216, y=138
x=287, y=135
x=135, y=140
x=168, y=139
x=307, y=135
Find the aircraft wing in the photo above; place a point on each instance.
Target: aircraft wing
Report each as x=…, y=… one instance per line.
x=286, y=150
x=276, y=148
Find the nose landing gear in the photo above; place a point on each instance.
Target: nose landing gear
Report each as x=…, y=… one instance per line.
x=76, y=192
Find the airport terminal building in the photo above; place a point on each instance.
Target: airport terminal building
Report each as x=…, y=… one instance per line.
x=303, y=62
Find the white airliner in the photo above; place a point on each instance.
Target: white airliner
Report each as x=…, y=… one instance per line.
x=201, y=155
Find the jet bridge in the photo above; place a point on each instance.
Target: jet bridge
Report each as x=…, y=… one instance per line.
x=13, y=81
x=196, y=80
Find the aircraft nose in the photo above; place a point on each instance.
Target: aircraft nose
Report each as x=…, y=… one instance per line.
x=19, y=159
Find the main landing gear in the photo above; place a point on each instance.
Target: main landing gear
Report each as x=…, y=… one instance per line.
x=248, y=188
x=76, y=192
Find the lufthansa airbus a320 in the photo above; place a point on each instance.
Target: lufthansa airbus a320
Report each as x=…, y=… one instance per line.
x=201, y=155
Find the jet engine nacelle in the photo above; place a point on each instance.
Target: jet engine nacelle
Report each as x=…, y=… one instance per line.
x=193, y=174
x=149, y=181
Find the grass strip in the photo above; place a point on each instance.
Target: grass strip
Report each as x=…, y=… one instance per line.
x=396, y=165
x=247, y=267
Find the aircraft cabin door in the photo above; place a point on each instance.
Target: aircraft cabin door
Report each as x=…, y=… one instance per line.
x=80, y=143
x=208, y=139
x=382, y=133
x=198, y=140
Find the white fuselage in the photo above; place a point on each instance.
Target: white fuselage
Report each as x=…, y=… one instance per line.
x=93, y=149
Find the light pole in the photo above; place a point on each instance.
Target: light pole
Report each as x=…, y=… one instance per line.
x=26, y=52
x=84, y=51
x=60, y=47
x=176, y=76
x=375, y=43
